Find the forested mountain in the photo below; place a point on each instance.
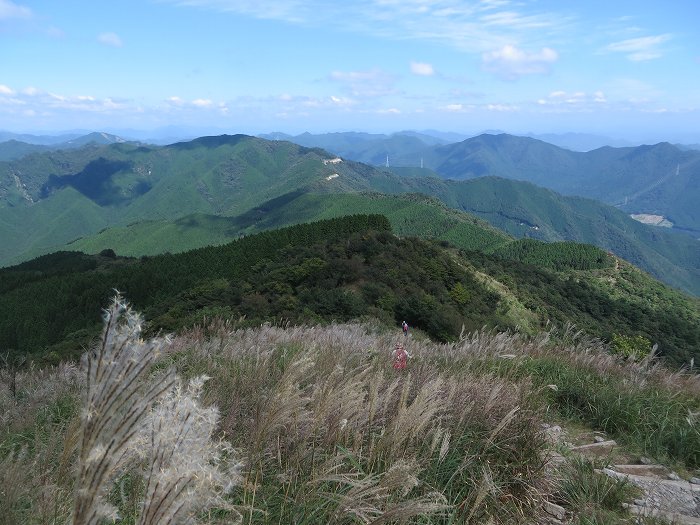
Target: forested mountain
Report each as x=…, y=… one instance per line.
x=659, y=180
x=158, y=199
x=49, y=199
x=342, y=269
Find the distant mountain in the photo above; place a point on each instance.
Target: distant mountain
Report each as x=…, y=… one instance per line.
x=91, y=138
x=15, y=149
x=687, y=146
x=374, y=149
x=656, y=180
x=50, y=199
x=581, y=141
x=41, y=140
x=659, y=179
x=409, y=214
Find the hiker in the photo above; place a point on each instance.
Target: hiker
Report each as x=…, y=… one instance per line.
x=400, y=357
x=404, y=327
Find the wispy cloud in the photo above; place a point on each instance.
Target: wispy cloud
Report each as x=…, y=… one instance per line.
x=38, y=101
x=642, y=48
x=365, y=84
x=11, y=10
x=468, y=25
x=176, y=103
x=422, y=69
x=502, y=107
x=574, y=100
x=110, y=39
x=511, y=63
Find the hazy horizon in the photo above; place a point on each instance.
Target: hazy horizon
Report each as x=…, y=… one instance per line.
x=625, y=70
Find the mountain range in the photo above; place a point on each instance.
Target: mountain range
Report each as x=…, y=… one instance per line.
x=658, y=180
x=17, y=146
x=127, y=196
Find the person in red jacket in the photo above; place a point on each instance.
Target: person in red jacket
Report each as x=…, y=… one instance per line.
x=400, y=357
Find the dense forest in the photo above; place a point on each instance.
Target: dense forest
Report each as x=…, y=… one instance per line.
x=337, y=270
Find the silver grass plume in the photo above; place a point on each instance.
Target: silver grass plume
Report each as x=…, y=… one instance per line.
x=117, y=397
x=118, y=412
x=187, y=471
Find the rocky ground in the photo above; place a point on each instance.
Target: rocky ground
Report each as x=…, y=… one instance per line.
x=664, y=493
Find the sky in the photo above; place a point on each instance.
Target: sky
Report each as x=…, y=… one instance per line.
x=619, y=68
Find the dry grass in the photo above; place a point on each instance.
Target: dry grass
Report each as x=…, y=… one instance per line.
x=330, y=431
x=322, y=410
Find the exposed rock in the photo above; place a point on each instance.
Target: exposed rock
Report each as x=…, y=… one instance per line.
x=664, y=495
x=554, y=510
x=603, y=448
x=643, y=470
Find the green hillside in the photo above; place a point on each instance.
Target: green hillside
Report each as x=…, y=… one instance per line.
x=408, y=214
x=342, y=269
x=124, y=183
x=52, y=199
x=525, y=210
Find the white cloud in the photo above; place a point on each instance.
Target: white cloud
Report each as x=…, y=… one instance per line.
x=422, y=69
x=456, y=108
x=389, y=111
x=202, y=102
x=110, y=39
x=639, y=49
x=342, y=101
x=576, y=101
x=365, y=84
x=5, y=90
x=502, y=107
x=577, y=97
x=11, y=10
x=510, y=63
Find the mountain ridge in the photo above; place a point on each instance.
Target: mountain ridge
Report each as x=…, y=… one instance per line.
x=231, y=175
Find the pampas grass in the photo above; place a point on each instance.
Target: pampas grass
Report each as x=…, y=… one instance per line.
x=330, y=432
x=130, y=414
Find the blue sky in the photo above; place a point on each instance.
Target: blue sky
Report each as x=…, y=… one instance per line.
x=626, y=69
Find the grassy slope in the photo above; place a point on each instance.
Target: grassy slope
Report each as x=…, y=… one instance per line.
x=409, y=215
